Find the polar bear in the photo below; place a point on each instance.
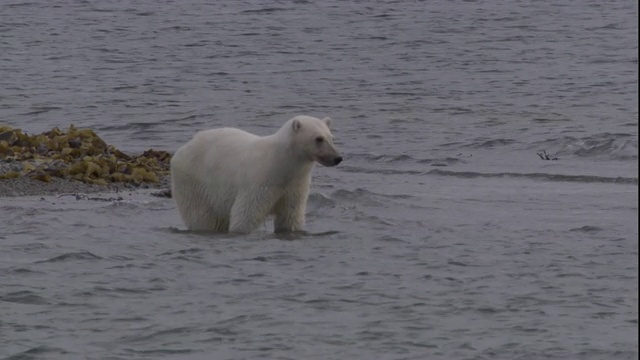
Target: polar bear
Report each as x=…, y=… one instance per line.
x=229, y=180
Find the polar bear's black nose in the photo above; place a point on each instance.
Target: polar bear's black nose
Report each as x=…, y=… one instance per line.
x=337, y=160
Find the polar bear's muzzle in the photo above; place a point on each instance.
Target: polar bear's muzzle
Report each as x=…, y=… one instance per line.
x=337, y=160
x=330, y=160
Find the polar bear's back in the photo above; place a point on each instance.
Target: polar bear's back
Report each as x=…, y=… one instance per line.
x=213, y=147
x=224, y=138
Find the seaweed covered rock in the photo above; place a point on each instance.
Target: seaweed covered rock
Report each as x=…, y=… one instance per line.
x=78, y=154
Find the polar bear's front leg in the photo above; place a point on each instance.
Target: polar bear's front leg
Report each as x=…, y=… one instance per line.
x=290, y=211
x=247, y=213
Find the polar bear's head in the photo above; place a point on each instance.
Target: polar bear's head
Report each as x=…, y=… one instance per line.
x=313, y=139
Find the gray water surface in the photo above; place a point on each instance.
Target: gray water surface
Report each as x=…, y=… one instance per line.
x=441, y=236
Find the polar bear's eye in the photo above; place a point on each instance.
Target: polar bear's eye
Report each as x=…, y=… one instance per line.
x=319, y=140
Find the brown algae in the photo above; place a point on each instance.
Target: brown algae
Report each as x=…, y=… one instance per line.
x=77, y=154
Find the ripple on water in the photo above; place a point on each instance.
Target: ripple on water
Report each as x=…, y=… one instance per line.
x=587, y=229
x=39, y=352
x=72, y=256
x=614, y=146
x=24, y=297
x=538, y=176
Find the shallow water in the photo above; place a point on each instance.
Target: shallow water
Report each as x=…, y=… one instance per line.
x=442, y=235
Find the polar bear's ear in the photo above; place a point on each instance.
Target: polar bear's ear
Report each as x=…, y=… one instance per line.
x=327, y=121
x=296, y=125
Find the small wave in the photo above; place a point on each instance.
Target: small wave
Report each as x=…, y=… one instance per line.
x=190, y=254
x=587, y=229
x=188, y=251
x=456, y=263
x=133, y=319
x=381, y=171
x=24, y=297
x=390, y=239
x=121, y=258
x=301, y=235
x=318, y=201
x=366, y=197
x=442, y=162
x=122, y=290
x=30, y=247
x=390, y=158
x=488, y=310
x=453, y=110
x=36, y=110
x=616, y=146
x=161, y=334
x=18, y=271
x=376, y=220
x=130, y=126
x=538, y=176
x=403, y=158
x=381, y=157
x=209, y=235
x=193, y=255
x=267, y=10
x=22, y=4
x=189, y=119
x=356, y=194
x=610, y=26
x=161, y=351
x=551, y=119
x=571, y=275
x=72, y=256
x=485, y=143
x=37, y=353
x=174, y=230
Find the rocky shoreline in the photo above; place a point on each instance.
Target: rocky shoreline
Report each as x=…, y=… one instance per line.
x=74, y=161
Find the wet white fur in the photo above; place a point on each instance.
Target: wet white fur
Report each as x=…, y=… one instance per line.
x=231, y=180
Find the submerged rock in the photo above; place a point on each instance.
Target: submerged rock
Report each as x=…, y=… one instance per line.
x=78, y=154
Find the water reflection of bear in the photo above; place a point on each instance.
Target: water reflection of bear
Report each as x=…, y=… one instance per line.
x=230, y=180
